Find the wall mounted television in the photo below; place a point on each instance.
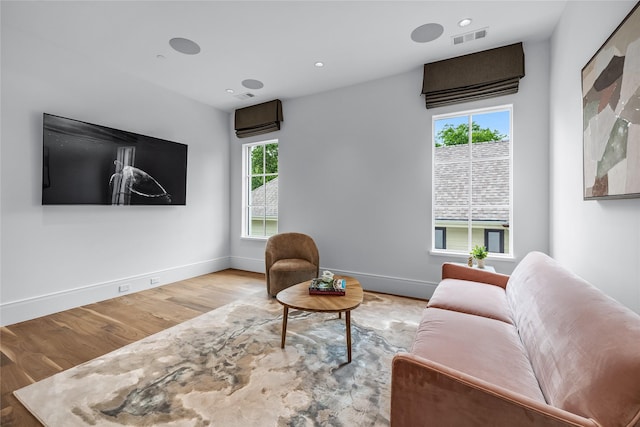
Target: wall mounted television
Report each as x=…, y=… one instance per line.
x=88, y=164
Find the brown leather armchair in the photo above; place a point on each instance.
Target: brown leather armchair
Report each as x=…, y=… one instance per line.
x=290, y=258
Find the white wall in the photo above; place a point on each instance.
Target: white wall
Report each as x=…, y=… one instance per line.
x=355, y=174
x=56, y=257
x=364, y=150
x=599, y=240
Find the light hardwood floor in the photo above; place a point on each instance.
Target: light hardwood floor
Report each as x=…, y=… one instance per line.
x=36, y=349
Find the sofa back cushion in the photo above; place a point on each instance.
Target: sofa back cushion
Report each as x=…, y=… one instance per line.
x=584, y=347
x=464, y=296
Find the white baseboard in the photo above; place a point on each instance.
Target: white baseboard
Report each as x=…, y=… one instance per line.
x=247, y=264
x=390, y=285
x=31, y=308
x=370, y=282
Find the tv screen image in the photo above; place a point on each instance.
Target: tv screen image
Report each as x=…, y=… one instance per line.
x=84, y=163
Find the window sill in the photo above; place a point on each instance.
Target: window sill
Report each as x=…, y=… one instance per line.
x=465, y=256
x=255, y=238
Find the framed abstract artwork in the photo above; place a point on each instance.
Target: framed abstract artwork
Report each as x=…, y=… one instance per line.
x=611, y=114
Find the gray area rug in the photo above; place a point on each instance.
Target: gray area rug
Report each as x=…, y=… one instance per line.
x=226, y=368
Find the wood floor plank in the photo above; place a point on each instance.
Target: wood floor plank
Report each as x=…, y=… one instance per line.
x=28, y=349
x=36, y=349
x=88, y=328
x=165, y=309
x=143, y=321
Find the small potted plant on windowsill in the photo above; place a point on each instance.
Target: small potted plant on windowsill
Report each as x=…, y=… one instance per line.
x=479, y=253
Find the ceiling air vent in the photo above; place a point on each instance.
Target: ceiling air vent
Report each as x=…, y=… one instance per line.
x=246, y=95
x=467, y=37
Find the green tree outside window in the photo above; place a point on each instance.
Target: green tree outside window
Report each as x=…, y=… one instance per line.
x=459, y=135
x=264, y=160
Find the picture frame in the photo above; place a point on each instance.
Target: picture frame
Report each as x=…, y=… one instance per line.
x=611, y=115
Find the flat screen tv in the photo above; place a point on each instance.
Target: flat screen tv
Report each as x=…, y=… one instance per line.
x=87, y=164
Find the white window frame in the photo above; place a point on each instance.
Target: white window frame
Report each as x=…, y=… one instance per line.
x=471, y=113
x=246, y=187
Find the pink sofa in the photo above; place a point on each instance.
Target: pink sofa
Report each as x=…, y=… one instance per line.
x=539, y=348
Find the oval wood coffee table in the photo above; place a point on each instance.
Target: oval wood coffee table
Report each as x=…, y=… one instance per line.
x=297, y=297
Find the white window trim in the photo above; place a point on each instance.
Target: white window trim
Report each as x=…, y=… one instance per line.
x=461, y=254
x=245, y=188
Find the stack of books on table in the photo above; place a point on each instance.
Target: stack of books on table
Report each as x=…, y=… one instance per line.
x=323, y=286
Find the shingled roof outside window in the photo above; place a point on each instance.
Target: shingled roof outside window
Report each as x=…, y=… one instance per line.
x=490, y=181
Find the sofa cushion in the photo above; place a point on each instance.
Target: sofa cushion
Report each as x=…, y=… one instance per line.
x=476, y=298
x=485, y=348
x=584, y=346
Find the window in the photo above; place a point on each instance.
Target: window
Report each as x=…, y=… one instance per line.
x=494, y=240
x=472, y=164
x=441, y=238
x=260, y=189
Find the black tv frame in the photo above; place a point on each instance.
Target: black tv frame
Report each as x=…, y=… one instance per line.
x=88, y=164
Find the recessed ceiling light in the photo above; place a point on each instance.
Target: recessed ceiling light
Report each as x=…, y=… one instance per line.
x=186, y=46
x=252, y=84
x=319, y=64
x=464, y=22
x=229, y=90
x=427, y=33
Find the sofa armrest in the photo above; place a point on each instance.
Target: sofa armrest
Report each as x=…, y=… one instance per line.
x=461, y=272
x=425, y=393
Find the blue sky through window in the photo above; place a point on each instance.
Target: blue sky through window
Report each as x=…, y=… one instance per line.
x=495, y=120
x=498, y=120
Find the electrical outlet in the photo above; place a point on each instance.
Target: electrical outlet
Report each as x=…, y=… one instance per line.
x=123, y=288
x=155, y=280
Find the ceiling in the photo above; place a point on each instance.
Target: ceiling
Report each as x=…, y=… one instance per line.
x=275, y=42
